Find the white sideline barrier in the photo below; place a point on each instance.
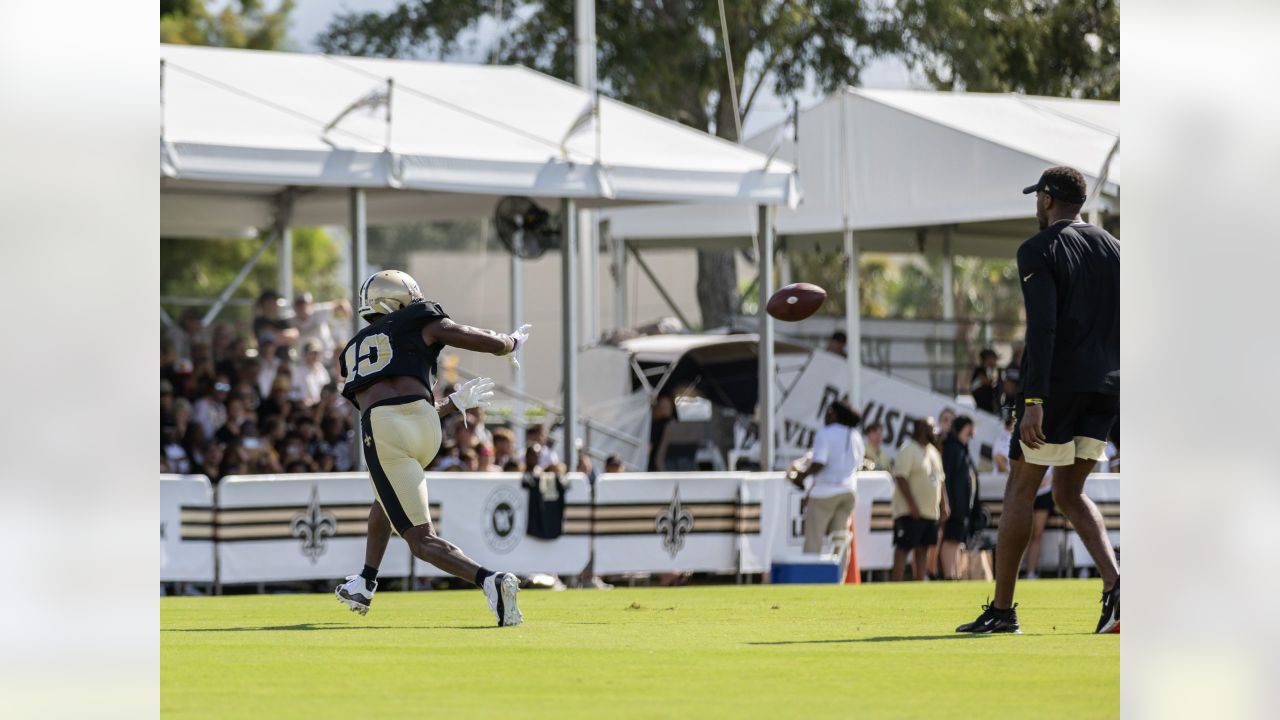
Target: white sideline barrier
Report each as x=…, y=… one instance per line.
x=486, y=514
x=684, y=522
x=297, y=527
x=311, y=527
x=1102, y=488
x=186, y=529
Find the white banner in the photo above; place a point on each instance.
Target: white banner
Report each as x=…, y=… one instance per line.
x=186, y=529
x=486, y=514
x=806, y=391
x=679, y=522
x=1058, y=538
x=298, y=527
x=311, y=527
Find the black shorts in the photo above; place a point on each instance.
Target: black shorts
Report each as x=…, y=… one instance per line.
x=1075, y=426
x=956, y=528
x=1044, y=502
x=909, y=533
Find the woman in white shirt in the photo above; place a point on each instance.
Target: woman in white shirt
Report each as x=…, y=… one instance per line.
x=837, y=454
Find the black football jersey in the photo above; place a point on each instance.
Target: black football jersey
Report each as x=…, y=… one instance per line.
x=390, y=347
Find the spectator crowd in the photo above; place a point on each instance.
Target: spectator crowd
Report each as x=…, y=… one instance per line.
x=263, y=397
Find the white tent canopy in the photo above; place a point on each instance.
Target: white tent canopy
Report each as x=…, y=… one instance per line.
x=239, y=127
x=255, y=140
x=913, y=161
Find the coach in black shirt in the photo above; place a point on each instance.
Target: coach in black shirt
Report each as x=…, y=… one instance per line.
x=1070, y=388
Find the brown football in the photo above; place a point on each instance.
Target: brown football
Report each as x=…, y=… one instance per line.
x=796, y=301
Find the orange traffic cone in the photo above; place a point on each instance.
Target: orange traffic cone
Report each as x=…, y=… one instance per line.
x=853, y=576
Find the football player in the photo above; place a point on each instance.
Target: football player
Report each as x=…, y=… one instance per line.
x=389, y=369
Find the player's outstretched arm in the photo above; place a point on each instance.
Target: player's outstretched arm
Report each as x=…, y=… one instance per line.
x=465, y=337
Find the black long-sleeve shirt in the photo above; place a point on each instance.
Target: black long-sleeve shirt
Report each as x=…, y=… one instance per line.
x=1071, y=289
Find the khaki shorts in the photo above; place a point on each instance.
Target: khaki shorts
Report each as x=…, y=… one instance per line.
x=1075, y=425
x=401, y=438
x=823, y=516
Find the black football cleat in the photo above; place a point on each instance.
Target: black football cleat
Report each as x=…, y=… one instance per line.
x=1110, y=620
x=994, y=620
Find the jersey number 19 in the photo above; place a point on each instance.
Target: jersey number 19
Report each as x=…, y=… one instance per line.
x=374, y=354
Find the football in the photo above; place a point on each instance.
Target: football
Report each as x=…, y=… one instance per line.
x=796, y=301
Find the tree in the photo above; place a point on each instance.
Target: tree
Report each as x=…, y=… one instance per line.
x=665, y=57
x=204, y=268
x=1060, y=48
x=251, y=26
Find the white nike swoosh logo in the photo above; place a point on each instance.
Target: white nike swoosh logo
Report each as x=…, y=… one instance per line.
x=1028, y=277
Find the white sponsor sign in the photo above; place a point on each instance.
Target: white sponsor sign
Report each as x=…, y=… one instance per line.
x=806, y=390
x=487, y=514
x=186, y=529
x=298, y=527
x=681, y=522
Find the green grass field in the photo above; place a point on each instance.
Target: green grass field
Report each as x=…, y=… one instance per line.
x=778, y=651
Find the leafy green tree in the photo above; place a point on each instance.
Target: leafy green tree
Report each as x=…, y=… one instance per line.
x=1060, y=48
x=665, y=57
x=241, y=24
x=204, y=268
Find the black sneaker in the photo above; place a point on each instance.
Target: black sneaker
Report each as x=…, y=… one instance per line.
x=1110, y=620
x=994, y=620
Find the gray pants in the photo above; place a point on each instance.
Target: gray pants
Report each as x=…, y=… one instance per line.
x=823, y=516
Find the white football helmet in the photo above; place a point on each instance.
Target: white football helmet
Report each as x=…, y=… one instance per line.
x=385, y=292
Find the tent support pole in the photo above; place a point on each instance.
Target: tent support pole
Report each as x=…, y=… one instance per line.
x=619, y=269
x=784, y=263
x=235, y=283
x=517, y=319
x=569, y=324
x=948, y=276
x=767, y=393
x=359, y=259
x=284, y=268
x=658, y=285
x=853, y=318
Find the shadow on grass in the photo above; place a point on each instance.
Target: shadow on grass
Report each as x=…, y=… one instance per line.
x=882, y=638
x=905, y=638
x=330, y=626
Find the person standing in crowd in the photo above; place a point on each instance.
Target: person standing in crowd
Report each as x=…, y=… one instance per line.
x=1041, y=509
x=613, y=464
x=1070, y=393
x=984, y=384
x=876, y=458
x=919, y=500
x=313, y=320
x=1000, y=453
x=187, y=333
x=269, y=320
x=962, y=493
x=837, y=456
x=945, y=418
x=504, y=447
x=310, y=378
x=537, y=435
x=838, y=343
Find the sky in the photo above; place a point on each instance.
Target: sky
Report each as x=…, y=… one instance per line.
x=310, y=17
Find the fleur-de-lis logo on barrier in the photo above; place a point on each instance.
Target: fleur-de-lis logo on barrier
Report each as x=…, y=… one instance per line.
x=313, y=527
x=673, y=524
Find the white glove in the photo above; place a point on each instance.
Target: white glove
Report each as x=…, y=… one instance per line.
x=476, y=392
x=520, y=337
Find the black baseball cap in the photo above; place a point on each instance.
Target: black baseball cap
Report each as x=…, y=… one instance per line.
x=1056, y=187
